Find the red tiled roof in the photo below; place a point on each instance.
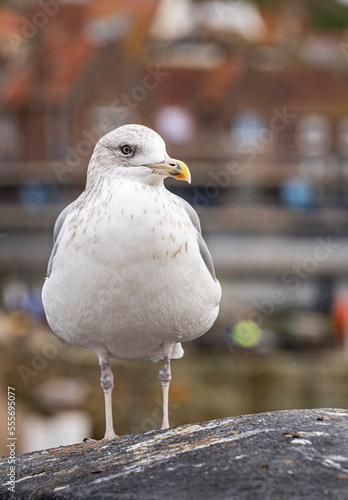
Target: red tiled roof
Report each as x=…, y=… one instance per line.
x=64, y=52
x=10, y=21
x=15, y=86
x=64, y=66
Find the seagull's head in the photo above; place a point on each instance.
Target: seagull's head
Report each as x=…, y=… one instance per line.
x=138, y=152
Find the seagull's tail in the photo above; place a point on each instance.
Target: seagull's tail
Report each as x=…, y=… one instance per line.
x=177, y=352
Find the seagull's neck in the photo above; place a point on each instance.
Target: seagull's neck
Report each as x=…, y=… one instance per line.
x=100, y=168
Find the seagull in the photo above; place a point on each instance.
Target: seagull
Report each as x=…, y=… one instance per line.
x=130, y=276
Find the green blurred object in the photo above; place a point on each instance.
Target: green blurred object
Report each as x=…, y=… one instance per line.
x=246, y=333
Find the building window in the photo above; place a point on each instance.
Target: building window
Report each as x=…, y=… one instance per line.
x=246, y=128
x=314, y=135
x=11, y=145
x=175, y=124
x=342, y=137
x=105, y=118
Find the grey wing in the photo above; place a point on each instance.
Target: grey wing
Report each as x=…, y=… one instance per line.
x=191, y=212
x=206, y=255
x=57, y=236
x=201, y=243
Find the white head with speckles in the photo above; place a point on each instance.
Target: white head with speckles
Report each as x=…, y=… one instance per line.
x=135, y=152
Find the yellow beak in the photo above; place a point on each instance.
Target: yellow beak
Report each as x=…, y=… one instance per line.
x=176, y=168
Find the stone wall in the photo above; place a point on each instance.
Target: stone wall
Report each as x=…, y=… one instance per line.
x=285, y=455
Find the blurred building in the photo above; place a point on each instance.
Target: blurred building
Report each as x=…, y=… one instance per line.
x=253, y=98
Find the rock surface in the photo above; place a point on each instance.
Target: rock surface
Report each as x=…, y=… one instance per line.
x=294, y=454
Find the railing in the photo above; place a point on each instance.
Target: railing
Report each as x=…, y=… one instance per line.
x=256, y=218
x=225, y=168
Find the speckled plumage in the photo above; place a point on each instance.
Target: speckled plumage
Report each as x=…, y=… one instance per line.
x=130, y=276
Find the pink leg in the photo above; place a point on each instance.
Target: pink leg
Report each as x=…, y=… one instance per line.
x=165, y=377
x=107, y=383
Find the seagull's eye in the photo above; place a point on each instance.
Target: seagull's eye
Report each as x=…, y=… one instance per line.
x=126, y=149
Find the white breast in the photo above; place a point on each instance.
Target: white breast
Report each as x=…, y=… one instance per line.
x=128, y=274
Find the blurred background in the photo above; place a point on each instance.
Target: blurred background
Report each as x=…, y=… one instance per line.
x=253, y=96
